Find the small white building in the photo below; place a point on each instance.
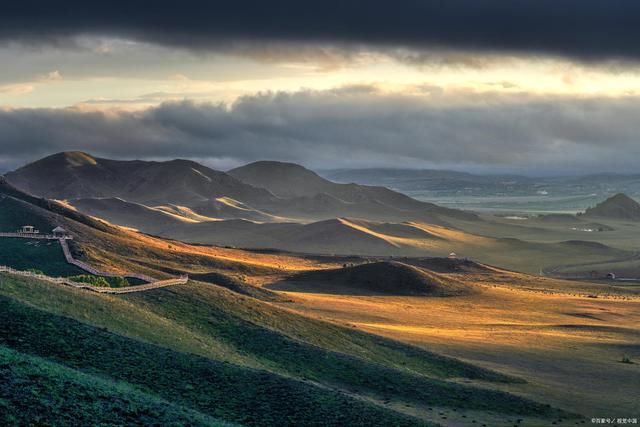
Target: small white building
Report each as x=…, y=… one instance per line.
x=453, y=255
x=28, y=229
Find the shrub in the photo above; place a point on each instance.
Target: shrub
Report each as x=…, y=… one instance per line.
x=109, y=282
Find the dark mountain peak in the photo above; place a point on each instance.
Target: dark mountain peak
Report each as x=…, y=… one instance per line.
x=67, y=159
x=316, y=194
x=281, y=178
x=619, y=206
x=275, y=165
x=301, y=193
x=76, y=175
x=621, y=199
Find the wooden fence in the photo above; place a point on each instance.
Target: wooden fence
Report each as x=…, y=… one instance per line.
x=86, y=267
x=35, y=236
x=104, y=290
x=151, y=282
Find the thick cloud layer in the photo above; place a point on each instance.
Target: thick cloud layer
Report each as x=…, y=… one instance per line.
x=354, y=127
x=585, y=29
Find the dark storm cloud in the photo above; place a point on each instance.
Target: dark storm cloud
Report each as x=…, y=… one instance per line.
x=352, y=127
x=585, y=29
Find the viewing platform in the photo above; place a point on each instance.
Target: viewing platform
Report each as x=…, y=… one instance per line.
x=30, y=232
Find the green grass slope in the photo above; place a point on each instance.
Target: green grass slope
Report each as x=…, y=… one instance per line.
x=34, y=390
x=221, y=390
x=224, y=327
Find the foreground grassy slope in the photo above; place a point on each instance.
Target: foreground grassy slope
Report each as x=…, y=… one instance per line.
x=181, y=318
x=219, y=325
x=35, y=390
x=217, y=389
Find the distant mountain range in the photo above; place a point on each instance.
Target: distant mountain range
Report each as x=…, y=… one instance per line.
x=261, y=191
x=309, y=194
x=496, y=193
x=428, y=179
x=444, y=181
x=77, y=175
x=340, y=236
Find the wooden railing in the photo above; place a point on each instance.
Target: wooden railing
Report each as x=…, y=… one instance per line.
x=86, y=267
x=35, y=236
x=151, y=282
x=104, y=290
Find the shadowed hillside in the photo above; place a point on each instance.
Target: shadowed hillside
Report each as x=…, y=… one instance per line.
x=348, y=236
x=309, y=192
x=380, y=278
x=618, y=207
x=215, y=194
x=74, y=175
x=129, y=214
x=341, y=235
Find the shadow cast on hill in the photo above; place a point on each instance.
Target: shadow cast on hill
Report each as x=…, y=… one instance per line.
x=378, y=278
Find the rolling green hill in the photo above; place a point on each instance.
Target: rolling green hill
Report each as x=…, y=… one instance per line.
x=36, y=390
x=380, y=278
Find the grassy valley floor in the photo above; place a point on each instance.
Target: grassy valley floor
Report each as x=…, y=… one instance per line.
x=568, y=347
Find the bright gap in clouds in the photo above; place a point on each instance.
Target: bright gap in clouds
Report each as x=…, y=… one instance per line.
x=110, y=73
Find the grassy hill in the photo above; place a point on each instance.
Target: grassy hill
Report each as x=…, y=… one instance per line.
x=34, y=390
x=380, y=278
x=214, y=388
x=617, y=207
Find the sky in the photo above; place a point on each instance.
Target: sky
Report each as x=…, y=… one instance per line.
x=536, y=87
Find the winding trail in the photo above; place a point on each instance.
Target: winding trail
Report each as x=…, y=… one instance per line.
x=103, y=290
x=151, y=282
x=88, y=268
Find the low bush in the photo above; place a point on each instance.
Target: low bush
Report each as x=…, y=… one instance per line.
x=108, y=282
